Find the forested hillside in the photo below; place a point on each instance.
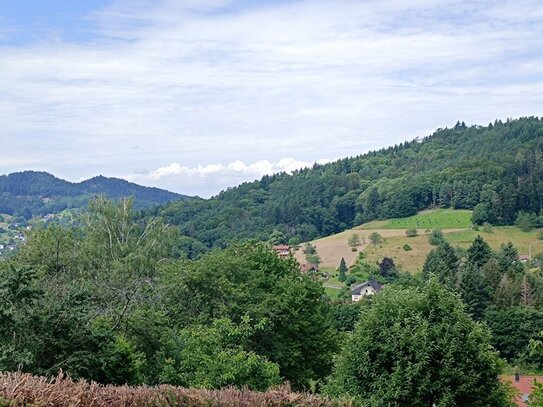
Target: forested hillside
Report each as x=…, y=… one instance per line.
x=496, y=170
x=33, y=193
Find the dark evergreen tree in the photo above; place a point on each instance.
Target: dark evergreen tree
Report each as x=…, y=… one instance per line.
x=475, y=292
x=479, y=252
x=492, y=273
x=342, y=276
x=512, y=328
x=509, y=261
x=387, y=267
x=442, y=262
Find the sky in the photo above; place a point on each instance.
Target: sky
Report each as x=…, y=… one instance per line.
x=196, y=96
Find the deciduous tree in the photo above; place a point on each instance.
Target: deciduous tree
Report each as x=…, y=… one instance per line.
x=428, y=353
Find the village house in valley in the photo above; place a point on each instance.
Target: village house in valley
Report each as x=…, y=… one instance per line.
x=282, y=250
x=364, y=289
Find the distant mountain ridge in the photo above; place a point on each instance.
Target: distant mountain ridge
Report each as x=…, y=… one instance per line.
x=30, y=193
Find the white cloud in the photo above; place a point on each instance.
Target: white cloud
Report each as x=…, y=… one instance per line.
x=175, y=176
x=218, y=81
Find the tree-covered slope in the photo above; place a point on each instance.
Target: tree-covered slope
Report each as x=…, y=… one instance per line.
x=31, y=193
x=496, y=170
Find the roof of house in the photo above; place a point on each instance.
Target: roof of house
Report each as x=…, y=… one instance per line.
x=281, y=247
x=525, y=386
x=524, y=257
x=357, y=289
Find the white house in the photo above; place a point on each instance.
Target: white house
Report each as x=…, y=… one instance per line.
x=369, y=287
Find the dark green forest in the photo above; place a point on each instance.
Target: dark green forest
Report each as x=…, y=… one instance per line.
x=32, y=193
x=495, y=170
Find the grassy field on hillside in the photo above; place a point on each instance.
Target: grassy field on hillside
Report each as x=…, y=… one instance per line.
x=430, y=219
x=454, y=223
x=413, y=260
x=332, y=248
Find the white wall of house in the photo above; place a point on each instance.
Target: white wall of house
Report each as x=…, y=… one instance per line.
x=364, y=292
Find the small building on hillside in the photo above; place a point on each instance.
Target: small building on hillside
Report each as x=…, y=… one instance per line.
x=524, y=258
x=364, y=289
x=309, y=268
x=282, y=250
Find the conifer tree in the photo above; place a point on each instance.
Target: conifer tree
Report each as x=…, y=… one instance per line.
x=342, y=270
x=479, y=252
x=475, y=292
x=506, y=294
x=442, y=262
x=509, y=261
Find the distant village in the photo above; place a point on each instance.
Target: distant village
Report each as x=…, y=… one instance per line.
x=12, y=233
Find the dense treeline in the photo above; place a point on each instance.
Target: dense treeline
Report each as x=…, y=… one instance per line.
x=496, y=170
x=33, y=193
x=498, y=288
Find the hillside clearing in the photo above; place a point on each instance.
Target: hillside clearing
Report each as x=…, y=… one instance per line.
x=413, y=260
x=429, y=219
x=332, y=248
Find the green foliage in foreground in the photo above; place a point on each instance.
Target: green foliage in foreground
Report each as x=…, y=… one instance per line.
x=109, y=301
x=418, y=347
x=214, y=357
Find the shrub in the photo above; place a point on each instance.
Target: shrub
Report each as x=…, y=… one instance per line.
x=540, y=235
x=406, y=247
x=354, y=249
x=213, y=356
x=411, y=232
x=487, y=227
x=526, y=220
x=21, y=389
x=294, y=241
x=427, y=339
x=436, y=237
x=375, y=238
x=354, y=240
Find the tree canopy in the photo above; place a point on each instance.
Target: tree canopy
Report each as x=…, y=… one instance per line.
x=418, y=347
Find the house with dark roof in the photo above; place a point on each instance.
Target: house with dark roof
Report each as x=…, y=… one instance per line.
x=369, y=287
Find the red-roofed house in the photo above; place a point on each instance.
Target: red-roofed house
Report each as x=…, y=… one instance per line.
x=524, y=385
x=282, y=250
